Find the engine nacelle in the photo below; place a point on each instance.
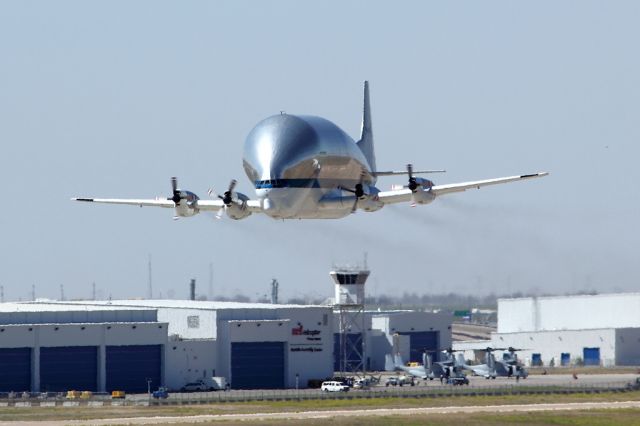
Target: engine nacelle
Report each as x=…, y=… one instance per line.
x=238, y=208
x=188, y=205
x=423, y=197
x=370, y=204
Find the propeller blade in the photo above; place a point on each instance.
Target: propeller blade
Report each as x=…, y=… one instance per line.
x=355, y=206
x=176, y=193
x=413, y=185
x=220, y=213
x=232, y=185
x=347, y=189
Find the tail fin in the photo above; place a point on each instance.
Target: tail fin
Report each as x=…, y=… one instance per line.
x=426, y=361
x=460, y=360
x=491, y=362
x=366, y=134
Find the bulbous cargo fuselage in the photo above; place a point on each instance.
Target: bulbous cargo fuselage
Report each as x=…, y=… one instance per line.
x=295, y=161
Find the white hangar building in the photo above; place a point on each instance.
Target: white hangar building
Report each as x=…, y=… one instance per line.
x=50, y=347
x=103, y=346
x=598, y=329
x=253, y=345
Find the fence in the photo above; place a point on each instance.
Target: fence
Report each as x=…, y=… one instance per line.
x=59, y=399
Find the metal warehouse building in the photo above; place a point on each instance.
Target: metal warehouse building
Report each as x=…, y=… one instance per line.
x=46, y=347
x=129, y=344
x=253, y=345
x=597, y=329
x=419, y=331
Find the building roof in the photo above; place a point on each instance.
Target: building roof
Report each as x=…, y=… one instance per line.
x=54, y=306
x=184, y=304
x=572, y=296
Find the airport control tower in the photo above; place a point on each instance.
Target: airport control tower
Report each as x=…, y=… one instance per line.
x=349, y=304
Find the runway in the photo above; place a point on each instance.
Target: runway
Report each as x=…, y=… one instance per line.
x=339, y=413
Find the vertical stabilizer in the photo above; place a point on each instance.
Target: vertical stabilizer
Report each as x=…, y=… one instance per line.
x=426, y=362
x=366, y=134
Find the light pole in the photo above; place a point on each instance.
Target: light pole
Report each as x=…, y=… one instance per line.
x=149, y=387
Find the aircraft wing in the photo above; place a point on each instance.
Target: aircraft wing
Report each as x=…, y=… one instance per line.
x=159, y=202
x=426, y=195
x=459, y=187
x=253, y=206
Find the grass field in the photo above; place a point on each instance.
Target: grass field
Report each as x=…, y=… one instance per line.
x=86, y=413
x=622, y=417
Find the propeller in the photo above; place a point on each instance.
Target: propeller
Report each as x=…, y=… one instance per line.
x=413, y=184
x=358, y=191
x=176, y=192
x=489, y=349
x=227, y=198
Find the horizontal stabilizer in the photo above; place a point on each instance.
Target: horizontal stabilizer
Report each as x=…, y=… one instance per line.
x=405, y=172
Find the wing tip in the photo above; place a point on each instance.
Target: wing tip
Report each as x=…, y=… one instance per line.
x=89, y=200
x=534, y=175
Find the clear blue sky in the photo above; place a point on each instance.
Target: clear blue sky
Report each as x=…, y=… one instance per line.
x=114, y=98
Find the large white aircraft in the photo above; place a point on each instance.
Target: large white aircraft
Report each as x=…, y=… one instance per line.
x=306, y=167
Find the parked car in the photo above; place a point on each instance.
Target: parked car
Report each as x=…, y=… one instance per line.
x=197, y=386
x=161, y=393
x=400, y=381
x=458, y=380
x=362, y=384
x=117, y=394
x=334, y=387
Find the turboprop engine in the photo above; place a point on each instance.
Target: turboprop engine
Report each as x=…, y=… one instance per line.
x=235, y=203
x=186, y=201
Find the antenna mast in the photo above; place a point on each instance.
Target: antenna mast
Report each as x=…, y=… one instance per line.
x=210, y=280
x=150, y=290
x=274, y=291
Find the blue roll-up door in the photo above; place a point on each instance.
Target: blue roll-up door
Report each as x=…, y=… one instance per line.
x=15, y=369
x=421, y=341
x=69, y=368
x=591, y=356
x=536, y=359
x=130, y=367
x=565, y=359
x=257, y=365
x=353, y=350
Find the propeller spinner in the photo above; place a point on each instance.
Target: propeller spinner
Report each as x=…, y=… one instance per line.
x=227, y=198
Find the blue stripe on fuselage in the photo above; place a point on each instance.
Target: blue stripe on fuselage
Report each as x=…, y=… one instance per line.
x=288, y=183
x=304, y=183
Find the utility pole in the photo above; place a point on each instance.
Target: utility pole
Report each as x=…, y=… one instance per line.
x=1, y=294
x=62, y=292
x=33, y=292
x=210, y=280
x=192, y=289
x=93, y=290
x=150, y=291
x=274, y=291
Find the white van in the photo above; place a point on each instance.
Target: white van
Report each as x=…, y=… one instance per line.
x=334, y=387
